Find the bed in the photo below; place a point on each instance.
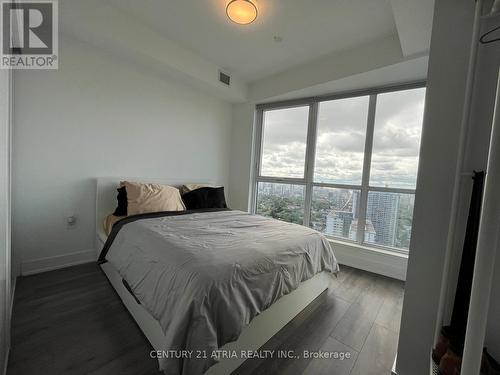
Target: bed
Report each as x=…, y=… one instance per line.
x=234, y=291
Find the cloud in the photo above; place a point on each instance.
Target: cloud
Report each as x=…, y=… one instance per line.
x=398, y=122
x=341, y=140
x=284, y=126
x=344, y=114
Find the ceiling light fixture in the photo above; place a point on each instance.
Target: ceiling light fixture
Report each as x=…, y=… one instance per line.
x=242, y=12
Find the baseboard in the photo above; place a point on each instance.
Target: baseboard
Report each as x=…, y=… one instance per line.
x=9, y=320
x=55, y=262
x=373, y=260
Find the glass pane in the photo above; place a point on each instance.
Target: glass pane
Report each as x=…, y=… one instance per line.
x=388, y=219
x=334, y=212
x=340, y=141
x=396, y=140
x=281, y=201
x=284, y=135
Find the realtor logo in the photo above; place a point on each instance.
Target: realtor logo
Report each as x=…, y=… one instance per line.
x=29, y=35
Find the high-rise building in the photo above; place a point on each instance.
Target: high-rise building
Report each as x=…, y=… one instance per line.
x=355, y=203
x=369, y=231
x=382, y=212
x=338, y=223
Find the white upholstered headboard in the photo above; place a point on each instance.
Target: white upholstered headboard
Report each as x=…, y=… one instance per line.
x=106, y=197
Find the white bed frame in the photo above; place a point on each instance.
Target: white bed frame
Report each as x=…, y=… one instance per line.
x=256, y=334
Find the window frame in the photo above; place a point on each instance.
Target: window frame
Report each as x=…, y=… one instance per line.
x=310, y=155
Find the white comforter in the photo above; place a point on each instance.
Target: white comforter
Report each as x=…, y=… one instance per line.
x=204, y=276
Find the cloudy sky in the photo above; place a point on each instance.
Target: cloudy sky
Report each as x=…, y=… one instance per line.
x=341, y=140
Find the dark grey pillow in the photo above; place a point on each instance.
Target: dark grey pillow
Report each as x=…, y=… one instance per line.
x=121, y=209
x=205, y=197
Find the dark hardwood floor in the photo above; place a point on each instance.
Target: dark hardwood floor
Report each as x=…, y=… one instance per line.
x=71, y=321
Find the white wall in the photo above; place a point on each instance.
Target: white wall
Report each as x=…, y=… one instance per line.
x=477, y=153
x=448, y=61
x=241, y=155
x=5, y=291
x=488, y=62
x=99, y=116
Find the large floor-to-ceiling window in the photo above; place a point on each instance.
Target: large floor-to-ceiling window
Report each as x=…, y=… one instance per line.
x=344, y=165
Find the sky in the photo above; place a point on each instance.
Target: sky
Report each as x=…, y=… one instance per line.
x=341, y=137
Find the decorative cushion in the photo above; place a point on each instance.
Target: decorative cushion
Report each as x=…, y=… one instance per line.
x=121, y=209
x=146, y=197
x=205, y=197
x=186, y=188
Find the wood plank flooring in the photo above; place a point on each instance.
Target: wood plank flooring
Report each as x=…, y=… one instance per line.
x=71, y=321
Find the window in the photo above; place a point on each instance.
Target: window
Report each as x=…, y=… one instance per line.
x=284, y=134
x=396, y=139
x=340, y=143
x=281, y=201
x=345, y=166
x=333, y=211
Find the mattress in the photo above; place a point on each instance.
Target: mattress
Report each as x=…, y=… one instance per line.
x=205, y=275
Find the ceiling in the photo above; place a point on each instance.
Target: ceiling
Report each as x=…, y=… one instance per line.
x=308, y=30
x=320, y=42
x=408, y=71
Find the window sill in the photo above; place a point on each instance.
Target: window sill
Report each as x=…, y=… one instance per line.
x=381, y=250
x=376, y=260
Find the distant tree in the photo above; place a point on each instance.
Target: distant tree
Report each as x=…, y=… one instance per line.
x=286, y=209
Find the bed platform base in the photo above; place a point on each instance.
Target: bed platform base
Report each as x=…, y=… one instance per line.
x=255, y=335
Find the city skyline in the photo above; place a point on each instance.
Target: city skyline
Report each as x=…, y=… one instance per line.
x=335, y=212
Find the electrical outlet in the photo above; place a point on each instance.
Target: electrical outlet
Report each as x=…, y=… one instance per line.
x=71, y=221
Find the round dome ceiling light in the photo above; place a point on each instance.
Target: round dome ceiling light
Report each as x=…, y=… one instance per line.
x=241, y=12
